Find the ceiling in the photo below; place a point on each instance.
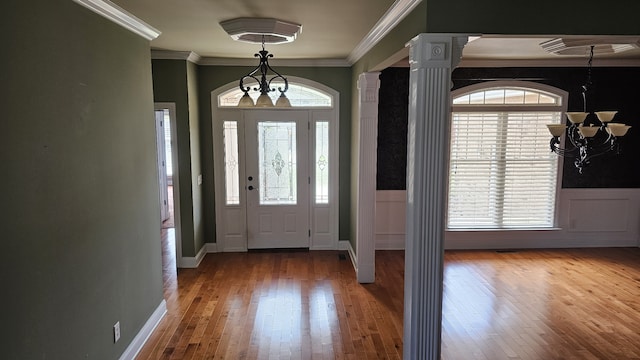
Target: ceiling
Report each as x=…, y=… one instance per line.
x=332, y=29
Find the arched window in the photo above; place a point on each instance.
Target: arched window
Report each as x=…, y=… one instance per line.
x=300, y=95
x=502, y=172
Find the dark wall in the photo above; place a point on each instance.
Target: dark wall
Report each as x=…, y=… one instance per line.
x=393, y=112
x=614, y=89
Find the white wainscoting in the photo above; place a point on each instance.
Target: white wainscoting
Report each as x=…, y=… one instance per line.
x=586, y=218
x=391, y=208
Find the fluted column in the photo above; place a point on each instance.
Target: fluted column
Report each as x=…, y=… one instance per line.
x=432, y=58
x=368, y=85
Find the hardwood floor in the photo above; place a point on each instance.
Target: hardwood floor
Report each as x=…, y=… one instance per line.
x=556, y=304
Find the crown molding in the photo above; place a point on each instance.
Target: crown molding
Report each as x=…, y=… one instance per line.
x=212, y=61
x=398, y=11
x=121, y=17
x=176, y=55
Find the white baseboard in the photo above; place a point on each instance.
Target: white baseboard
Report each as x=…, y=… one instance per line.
x=143, y=335
x=211, y=247
x=346, y=245
x=194, y=262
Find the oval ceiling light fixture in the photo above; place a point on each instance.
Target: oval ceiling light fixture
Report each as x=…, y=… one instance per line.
x=261, y=30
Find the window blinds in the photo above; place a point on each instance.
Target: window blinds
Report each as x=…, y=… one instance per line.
x=502, y=174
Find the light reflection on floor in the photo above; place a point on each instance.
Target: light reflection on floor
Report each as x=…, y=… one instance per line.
x=474, y=317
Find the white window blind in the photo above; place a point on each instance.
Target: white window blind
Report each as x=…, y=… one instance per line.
x=502, y=173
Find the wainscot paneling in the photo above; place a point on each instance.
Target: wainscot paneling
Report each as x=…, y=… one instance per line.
x=390, y=219
x=586, y=218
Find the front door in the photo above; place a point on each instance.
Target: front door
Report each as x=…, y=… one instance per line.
x=277, y=178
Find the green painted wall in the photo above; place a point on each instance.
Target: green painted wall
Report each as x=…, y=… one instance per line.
x=176, y=81
x=212, y=77
x=79, y=192
x=196, y=162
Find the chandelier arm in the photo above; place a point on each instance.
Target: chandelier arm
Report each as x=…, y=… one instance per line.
x=568, y=153
x=248, y=88
x=278, y=76
x=554, y=144
x=574, y=136
x=250, y=75
x=263, y=75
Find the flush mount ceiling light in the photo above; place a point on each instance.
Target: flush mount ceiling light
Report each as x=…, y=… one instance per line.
x=583, y=46
x=261, y=30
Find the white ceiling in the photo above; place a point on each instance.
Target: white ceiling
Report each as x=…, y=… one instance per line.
x=331, y=29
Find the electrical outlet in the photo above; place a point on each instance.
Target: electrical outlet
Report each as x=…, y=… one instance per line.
x=116, y=332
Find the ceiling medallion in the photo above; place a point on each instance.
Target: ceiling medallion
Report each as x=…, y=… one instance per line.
x=580, y=46
x=261, y=30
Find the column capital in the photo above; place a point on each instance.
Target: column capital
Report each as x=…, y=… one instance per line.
x=368, y=84
x=436, y=50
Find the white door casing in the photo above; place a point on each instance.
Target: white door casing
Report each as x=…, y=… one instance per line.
x=175, y=177
x=320, y=229
x=162, y=165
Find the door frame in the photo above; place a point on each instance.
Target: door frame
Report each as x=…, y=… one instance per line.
x=162, y=165
x=231, y=227
x=175, y=177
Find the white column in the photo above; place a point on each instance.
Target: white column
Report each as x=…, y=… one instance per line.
x=432, y=58
x=368, y=85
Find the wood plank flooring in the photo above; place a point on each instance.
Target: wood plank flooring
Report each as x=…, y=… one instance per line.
x=555, y=304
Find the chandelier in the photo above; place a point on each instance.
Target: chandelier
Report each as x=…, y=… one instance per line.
x=263, y=79
x=588, y=137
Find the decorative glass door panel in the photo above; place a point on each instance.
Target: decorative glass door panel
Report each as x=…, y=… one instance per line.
x=277, y=163
x=277, y=179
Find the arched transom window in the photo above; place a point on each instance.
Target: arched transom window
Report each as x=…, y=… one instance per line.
x=502, y=173
x=300, y=95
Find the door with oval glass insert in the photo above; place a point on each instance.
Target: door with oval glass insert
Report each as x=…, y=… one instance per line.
x=277, y=179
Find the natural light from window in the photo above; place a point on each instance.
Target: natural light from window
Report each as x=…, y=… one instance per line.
x=299, y=95
x=502, y=174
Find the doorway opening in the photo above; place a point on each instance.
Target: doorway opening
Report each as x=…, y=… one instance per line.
x=168, y=176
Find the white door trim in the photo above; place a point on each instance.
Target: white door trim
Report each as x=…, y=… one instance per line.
x=175, y=176
x=327, y=237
